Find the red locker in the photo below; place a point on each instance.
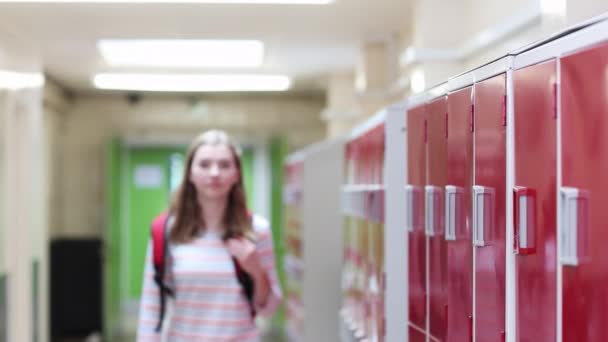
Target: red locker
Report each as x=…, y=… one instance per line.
x=489, y=208
x=458, y=217
x=374, y=142
x=435, y=213
x=534, y=203
x=416, y=164
x=584, y=194
x=358, y=237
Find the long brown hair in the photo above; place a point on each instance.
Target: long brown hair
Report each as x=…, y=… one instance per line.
x=185, y=209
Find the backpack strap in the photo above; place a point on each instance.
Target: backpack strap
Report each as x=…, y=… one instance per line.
x=247, y=284
x=245, y=279
x=159, y=254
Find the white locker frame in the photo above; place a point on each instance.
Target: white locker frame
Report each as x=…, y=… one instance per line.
x=497, y=67
x=321, y=241
x=395, y=232
x=573, y=39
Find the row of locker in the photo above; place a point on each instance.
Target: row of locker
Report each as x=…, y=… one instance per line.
x=363, y=211
x=489, y=192
x=505, y=195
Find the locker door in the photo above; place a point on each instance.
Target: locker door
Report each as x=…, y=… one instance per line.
x=489, y=209
x=416, y=142
x=584, y=195
x=436, y=181
x=458, y=217
x=534, y=201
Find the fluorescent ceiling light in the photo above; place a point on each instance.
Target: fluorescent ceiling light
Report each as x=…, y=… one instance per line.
x=20, y=80
x=191, y=82
x=275, y=2
x=183, y=53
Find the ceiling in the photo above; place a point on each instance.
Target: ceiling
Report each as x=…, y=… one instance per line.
x=303, y=41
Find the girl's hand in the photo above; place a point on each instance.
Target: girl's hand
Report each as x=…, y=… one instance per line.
x=246, y=254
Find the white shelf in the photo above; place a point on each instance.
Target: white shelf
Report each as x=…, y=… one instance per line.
x=362, y=187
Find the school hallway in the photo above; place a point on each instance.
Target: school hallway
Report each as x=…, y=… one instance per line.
x=402, y=170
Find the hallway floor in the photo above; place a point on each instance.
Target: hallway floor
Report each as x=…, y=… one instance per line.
x=270, y=335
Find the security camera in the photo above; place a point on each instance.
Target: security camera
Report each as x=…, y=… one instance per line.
x=133, y=98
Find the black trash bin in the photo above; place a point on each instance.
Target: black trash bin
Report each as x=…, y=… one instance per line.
x=76, y=287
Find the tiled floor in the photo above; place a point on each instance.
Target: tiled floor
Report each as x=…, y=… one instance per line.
x=129, y=327
x=269, y=337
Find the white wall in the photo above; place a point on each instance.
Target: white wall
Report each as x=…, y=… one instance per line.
x=483, y=14
x=55, y=106
x=3, y=180
x=456, y=36
x=578, y=10
x=25, y=233
x=24, y=207
x=440, y=24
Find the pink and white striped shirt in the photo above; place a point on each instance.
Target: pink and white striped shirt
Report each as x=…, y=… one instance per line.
x=209, y=303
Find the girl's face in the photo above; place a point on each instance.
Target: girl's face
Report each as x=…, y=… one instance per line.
x=214, y=171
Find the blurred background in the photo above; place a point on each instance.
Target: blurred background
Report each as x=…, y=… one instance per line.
x=98, y=100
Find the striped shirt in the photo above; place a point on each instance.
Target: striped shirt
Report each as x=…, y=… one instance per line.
x=209, y=303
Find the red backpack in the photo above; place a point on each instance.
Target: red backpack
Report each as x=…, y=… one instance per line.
x=160, y=235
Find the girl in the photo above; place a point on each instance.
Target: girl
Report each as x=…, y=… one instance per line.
x=210, y=228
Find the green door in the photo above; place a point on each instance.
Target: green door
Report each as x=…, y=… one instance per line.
x=148, y=184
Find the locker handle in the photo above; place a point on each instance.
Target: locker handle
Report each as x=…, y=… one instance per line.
x=359, y=206
x=574, y=211
x=370, y=208
x=412, y=195
x=433, y=219
x=483, y=214
x=453, y=205
x=524, y=223
x=375, y=199
x=351, y=204
x=346, y=203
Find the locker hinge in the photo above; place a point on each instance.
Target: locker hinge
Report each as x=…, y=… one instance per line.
x=472, y=118
x=426, y=130
x=446, y=125
x=504, y=111
x=384, y=281
x=555, y=100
